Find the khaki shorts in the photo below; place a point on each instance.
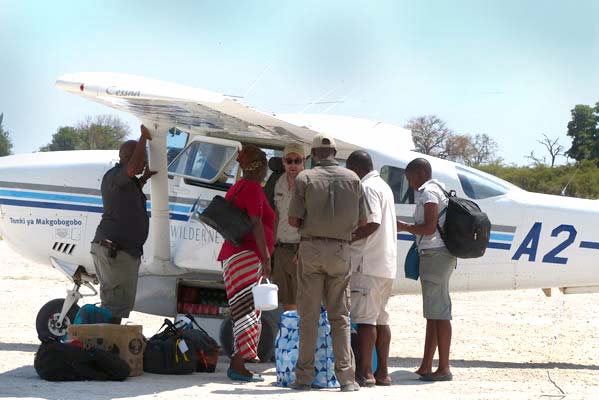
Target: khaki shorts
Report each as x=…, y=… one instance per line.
x=369, y=297
x=284, y=273
x=436, y=267
x=118, y=279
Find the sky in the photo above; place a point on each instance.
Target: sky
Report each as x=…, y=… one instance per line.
x=510, y=69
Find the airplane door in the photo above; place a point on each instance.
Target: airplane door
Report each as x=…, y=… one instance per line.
x=206, y=167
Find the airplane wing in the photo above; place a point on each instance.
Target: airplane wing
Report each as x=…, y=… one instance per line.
x=214, y=114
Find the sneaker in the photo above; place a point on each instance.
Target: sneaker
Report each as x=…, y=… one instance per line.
x=300, y=386
x=350, y=387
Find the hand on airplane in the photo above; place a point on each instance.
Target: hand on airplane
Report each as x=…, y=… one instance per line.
x=147, y=172
x=145, y=133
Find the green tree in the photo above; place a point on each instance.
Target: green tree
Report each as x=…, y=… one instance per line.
x=66, y=138
x=584, y=131
x=5, y=140
x=574, y=180
x=104, y=132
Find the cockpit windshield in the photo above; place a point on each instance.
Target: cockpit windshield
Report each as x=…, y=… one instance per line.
x=478, y=186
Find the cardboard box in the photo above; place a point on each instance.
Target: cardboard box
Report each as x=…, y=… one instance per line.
x=128, y=339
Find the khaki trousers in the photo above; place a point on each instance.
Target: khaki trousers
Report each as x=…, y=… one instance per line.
x=323, y=277
x=118, y=279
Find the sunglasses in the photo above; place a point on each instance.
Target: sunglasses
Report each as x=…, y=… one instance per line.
x=294, y=160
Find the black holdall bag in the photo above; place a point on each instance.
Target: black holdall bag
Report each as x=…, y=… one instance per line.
x=167, y=352
x=57, y=361
x=227, y=219
x=467, y=229
x=207, y=349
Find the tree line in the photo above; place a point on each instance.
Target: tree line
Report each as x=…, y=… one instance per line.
x=579, y=177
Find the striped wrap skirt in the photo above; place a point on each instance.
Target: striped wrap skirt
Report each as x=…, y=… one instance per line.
x=241, y=274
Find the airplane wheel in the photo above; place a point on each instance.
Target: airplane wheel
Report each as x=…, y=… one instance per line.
x=46, y=322
x=226, y=336
x=266, y=346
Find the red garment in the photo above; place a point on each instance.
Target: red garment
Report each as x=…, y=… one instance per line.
x=250, y=197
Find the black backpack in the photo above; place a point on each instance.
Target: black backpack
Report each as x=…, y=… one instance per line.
x=467, y=229
x=56, y=361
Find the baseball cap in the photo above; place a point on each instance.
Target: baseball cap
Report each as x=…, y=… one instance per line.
x=294, y=148
x=323, y=140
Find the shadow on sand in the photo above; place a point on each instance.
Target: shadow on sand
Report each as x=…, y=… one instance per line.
x=25, y=347
x=23, y=382
x=410, y=363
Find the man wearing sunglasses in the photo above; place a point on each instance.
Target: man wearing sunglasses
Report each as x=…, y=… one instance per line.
x=287, y=237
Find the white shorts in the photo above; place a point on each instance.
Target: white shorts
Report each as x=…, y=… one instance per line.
x=369, y=297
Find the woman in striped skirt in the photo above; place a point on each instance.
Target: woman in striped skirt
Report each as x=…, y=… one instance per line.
x=244, y=265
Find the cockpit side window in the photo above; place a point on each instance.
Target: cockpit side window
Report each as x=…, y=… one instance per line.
x=396, y=179
x=175, y=142
x=202, y=161
x=477, y=186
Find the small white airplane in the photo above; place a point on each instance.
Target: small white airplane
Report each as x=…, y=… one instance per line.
x=50, y=203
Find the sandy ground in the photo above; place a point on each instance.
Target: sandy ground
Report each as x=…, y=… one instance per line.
x=507, y=345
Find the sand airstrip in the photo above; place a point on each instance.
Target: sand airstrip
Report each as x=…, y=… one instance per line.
x=507, y=345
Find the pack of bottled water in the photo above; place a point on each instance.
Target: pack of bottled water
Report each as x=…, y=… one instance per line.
x=286, y=351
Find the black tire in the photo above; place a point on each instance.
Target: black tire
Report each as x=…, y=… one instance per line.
x=226, y=336
x=46, y=318
x=266, y=346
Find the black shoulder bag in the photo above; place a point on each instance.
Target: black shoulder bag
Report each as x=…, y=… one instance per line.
x=227, y=219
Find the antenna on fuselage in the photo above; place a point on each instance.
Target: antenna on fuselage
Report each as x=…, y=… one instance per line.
x=563, y=192
x=258, y=79
x=334, y=103
x=320, y=99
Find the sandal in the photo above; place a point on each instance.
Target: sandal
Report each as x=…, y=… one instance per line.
x=365, y=382
x=383, y=382
x=236, y=376
x=437, y=378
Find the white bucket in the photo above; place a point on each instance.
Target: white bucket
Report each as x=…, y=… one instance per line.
x=265, y=296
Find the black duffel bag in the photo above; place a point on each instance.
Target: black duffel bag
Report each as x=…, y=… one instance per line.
x=207, y=349
x=56, y=361
x=168, y=352
x=227, y=219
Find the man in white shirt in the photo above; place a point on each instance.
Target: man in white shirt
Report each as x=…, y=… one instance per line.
x=287, y=237
x=374, y=264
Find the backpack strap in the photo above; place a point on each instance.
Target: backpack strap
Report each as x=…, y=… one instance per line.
x=448, y=195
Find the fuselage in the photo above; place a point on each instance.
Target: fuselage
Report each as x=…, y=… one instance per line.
x=50, y=206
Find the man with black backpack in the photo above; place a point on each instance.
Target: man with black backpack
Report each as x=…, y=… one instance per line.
x=436, y=266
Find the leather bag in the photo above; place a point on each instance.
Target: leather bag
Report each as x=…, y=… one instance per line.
x=227, y=219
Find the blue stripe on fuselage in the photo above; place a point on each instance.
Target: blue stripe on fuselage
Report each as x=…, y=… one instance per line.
x=72, y=207
x=50, y=196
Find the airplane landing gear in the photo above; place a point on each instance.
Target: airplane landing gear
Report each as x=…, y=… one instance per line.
x=48, y=322
x=56, y=315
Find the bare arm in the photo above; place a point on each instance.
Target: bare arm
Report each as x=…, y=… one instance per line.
x=258, y=231
x=146, y=175
x=138, y=159
x=431, y=216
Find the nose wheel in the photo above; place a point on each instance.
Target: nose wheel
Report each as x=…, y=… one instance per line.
x=47, y=322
